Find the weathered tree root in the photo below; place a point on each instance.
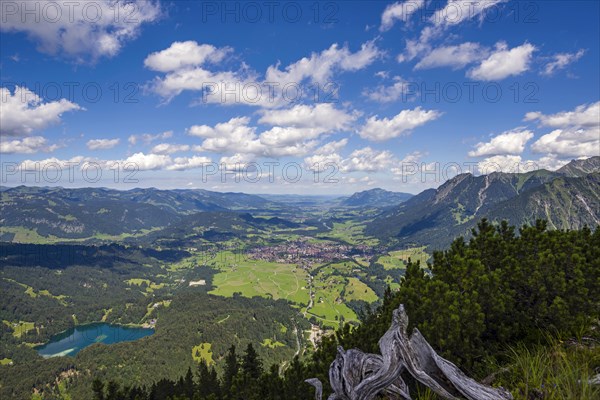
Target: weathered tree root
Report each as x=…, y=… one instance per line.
x=355, y=375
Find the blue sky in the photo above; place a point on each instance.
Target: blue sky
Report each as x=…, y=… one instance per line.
x=399, y=95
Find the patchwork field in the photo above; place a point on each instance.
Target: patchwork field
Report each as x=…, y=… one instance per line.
x=329, y=290
x=259, y=278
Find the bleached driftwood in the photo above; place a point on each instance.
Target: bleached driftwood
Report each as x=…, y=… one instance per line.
x=355, y=375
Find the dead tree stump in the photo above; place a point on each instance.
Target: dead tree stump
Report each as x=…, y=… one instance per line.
x=355, y=375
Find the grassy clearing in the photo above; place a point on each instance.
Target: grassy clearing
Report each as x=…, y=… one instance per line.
x=271, y=344
x=398, y=259
x=20, y=328
x=106, y=314
x=362, y=261
x=61, y=297
x=5, y=361
x=153, y=306
x=459, y=215
x=203, y=352
x=149, y=285
x=391, y=283
x=30, y=291
x=137, y=281
x=357, y=290
x=117, y=238
x=390, y=262
x=24, y=235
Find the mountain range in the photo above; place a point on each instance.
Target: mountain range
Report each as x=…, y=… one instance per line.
x=568, y=198
x=85, y=212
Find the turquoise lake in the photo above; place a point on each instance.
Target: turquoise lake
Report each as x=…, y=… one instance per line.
x=78, y=338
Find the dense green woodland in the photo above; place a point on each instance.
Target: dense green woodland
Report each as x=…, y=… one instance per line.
x=521, y=309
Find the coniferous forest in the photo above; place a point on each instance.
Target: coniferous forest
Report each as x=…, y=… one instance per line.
x=517, y=308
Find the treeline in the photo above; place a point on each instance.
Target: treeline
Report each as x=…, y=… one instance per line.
x=498, y=291
x=61, y=256
x=243, y=378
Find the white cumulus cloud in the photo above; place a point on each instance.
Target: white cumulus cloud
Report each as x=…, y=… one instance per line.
x=147, y=138
x=148, y=161
x=456, y=57
x=367, y=160
x=504, y=62
x=457, y=11
x=184, y=163
x=102, y=144
x=576, y=133
x=28, y=145
x=384, y=129
x=319, y=67
x=295, y=131
x=388, y=94
x=169, y=148
x=183, y=55
x=510, y=142
x=83, y=31
x=324, y=117
x=24, y=112
x=185, y=67
x=561, y=61
x=570, y=143
x=399, y=11
x=585, y=115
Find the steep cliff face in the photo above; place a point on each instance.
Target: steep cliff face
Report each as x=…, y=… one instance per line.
x=579, y=168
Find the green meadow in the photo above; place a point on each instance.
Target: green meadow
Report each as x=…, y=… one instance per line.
x=259, y=278
x=399, y=258
x=351, y=232
x=203, y=352
x=20, y=328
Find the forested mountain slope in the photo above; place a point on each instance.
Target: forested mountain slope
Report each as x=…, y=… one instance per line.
x=433, y=217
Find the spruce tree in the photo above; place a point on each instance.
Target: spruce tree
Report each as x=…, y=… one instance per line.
x=230, y=371
x=251, y=363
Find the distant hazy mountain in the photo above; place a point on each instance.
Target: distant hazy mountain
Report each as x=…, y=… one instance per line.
x=436, y=216
x=376, y=198
x=87, y=212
